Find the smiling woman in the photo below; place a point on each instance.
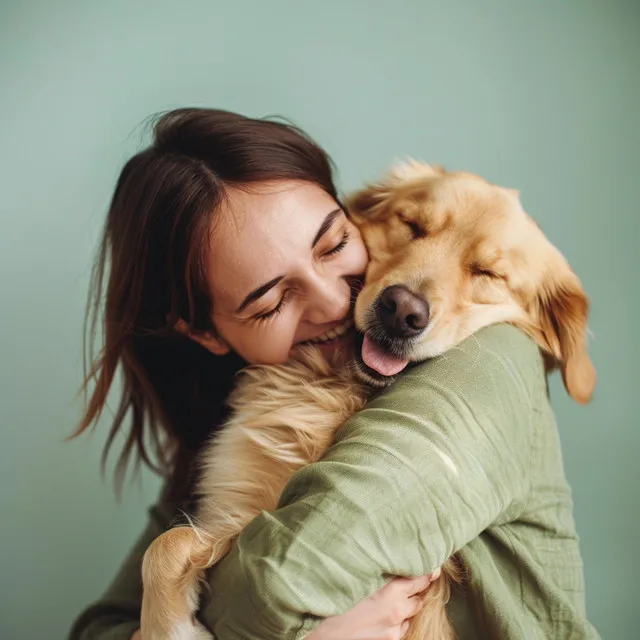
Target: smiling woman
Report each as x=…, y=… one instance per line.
x=226, y=245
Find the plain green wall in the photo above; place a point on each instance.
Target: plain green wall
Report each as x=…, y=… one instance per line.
x=541, y=96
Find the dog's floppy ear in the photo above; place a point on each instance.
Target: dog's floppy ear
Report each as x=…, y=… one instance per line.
x=561, y=314
x=368, y=201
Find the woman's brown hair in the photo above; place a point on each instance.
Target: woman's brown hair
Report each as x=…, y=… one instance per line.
x=150, y=273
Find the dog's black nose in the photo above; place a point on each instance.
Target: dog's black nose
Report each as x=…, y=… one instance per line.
x=402, y=313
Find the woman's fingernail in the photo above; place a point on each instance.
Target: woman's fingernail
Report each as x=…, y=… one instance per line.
x=436, y=574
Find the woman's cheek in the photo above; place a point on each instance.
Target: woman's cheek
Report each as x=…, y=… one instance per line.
x=267, y=349
x=272, y=343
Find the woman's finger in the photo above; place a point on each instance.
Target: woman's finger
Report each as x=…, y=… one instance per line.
x=408, y=586
x=414, y=606
x=399, y=607
x=436, y=574
x=411, y=586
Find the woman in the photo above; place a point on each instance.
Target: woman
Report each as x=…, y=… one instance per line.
x=226, y=244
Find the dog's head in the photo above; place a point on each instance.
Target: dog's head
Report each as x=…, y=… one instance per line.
x=450, y=254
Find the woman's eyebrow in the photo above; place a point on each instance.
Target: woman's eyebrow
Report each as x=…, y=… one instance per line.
x=326, y=225
x=257, y=293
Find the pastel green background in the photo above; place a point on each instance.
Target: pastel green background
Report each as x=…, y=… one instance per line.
x=541, y=96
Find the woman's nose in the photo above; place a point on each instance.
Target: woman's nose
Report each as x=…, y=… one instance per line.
x=329, y=301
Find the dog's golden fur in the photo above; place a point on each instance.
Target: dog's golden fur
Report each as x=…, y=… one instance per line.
x=468, y=248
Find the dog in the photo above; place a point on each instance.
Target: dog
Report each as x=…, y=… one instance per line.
x=450, y=253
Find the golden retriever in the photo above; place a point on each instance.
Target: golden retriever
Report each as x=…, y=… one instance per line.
x=450, y=254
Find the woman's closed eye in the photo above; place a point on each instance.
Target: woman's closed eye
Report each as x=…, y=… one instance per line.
x=271, y=313
x=339, y=247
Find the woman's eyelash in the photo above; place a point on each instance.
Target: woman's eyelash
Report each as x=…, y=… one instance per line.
x=340, y=246
x=276, y=310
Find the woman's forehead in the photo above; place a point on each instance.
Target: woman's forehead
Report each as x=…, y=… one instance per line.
x=254, y=206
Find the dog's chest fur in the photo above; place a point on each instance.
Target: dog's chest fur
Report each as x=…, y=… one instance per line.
x=283, y=418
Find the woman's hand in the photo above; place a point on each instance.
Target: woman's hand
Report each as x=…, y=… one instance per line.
x=383, y=616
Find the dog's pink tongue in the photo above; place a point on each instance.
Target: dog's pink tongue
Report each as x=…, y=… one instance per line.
x=378, y=360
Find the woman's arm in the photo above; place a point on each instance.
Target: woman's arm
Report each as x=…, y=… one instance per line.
x=424, y=469
x=116, y=616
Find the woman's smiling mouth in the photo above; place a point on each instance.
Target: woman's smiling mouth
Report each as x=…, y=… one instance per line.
x=333, y=334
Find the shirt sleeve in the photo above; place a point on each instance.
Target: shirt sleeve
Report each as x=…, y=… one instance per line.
x=117, y=614
x=426, y=467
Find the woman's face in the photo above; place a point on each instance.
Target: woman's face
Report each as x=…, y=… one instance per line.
x=282, y=262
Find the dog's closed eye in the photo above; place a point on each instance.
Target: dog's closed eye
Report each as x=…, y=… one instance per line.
x=481, y=271
x=417, y=230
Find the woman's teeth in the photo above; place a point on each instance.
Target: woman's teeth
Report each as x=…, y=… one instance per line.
x=332, y=334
